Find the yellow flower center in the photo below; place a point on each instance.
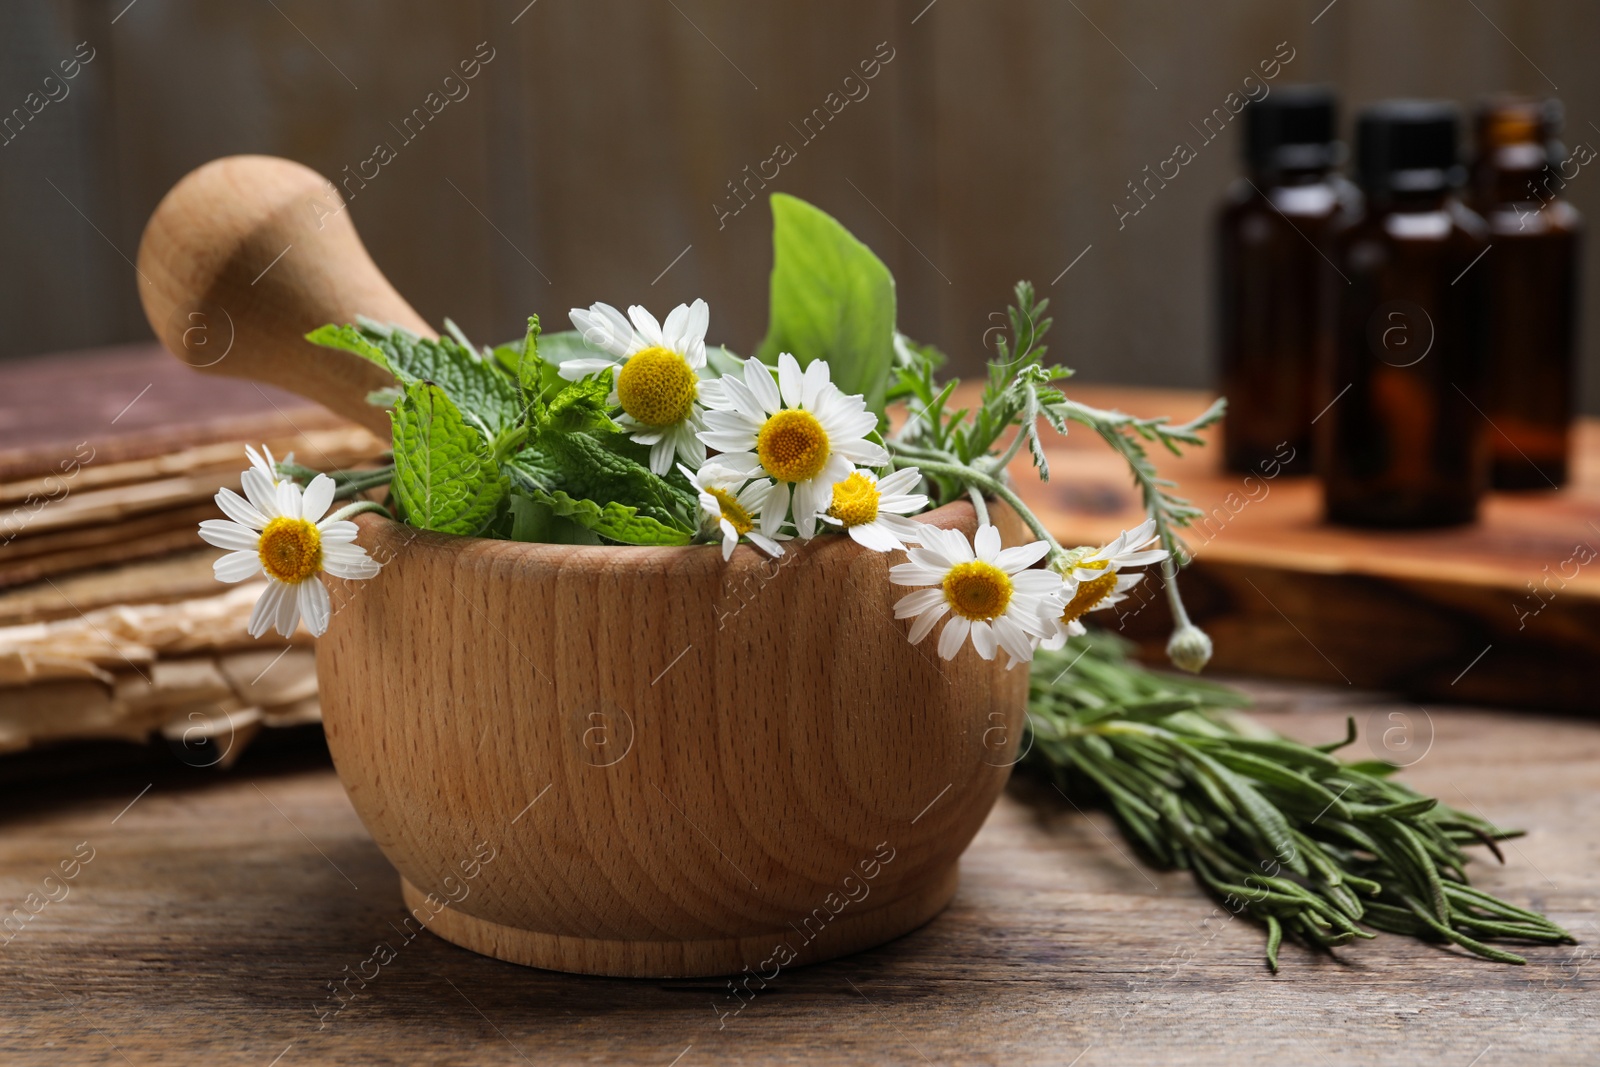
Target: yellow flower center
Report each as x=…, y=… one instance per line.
x=1091, y=592
x=793, y=446
x=855, y=500
x=291, y=550
x=657, y=387
x=733, y=511
x=977, y=590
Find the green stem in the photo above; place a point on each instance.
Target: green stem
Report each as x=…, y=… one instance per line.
x=358, y=508
x=968, y=477
x=978, y=504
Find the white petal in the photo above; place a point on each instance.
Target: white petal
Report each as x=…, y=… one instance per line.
x=574, y=369
x=775, y=509
x=672, y=329
x=319, y=494
x=987, y=543
x=926, y=621
x=289, y=500
x=816, y=378
x=314, y=606
x=661, y=454
x=876, y=536
x=1016, y=643
x=758, y=379
x=765, y=543
x=1021, y=557
x=288, y=612
x=262, y=493
x=266, y=609
x=955, y=632
x=240, y=510
x=337, y=532
x=694, y=332
x=730, y=538
x=806, y=505
x=350, y=566
x=983, y=639
x=915, y=573
x=917, y=603
x=237, y=566
x=907, y=530
x=1037, y=582
x=648, y=328
x=899, y=482
x=1140, y=559
x=791, y=382
x=227, y=534
x=865, y=453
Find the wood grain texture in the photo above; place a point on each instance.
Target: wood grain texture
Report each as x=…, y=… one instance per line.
x=261, y=251
x=218, y=908
x=1506, y=610
x=684, y=766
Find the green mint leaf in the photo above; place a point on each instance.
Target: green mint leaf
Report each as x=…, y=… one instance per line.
x=613, y=521
x=445, y=478
x=478, y=387
x=583, y=467
x=538, y=523
x=831, y=299
x=581, y=406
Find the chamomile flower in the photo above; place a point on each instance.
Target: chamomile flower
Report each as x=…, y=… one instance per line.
x=263, y=463
x=874, y=511
x=734, y=505
x=994, y=596
x=278, y=531
x=657, y=374
x=1104, y=577
x=800, y=430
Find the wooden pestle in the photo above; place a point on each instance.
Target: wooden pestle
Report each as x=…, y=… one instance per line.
x=244, y=257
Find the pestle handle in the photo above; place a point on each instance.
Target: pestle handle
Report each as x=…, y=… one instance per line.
x=244, y=257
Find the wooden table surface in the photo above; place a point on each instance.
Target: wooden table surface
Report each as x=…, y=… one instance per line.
x=217, y=907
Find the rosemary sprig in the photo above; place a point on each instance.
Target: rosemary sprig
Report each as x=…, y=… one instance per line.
x=1316, y=848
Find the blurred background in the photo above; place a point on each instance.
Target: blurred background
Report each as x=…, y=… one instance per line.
x=602, y=150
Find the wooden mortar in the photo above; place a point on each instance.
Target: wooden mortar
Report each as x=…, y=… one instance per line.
x=621, y=761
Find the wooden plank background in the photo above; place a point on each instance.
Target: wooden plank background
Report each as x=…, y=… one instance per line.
x=589, y=153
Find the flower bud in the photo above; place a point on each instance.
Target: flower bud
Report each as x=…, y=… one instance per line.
x=1189, y=648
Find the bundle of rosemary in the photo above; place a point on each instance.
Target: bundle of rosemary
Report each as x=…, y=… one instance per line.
x=1316, y=848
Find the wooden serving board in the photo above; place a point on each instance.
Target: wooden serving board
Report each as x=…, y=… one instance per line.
x=1506, y=611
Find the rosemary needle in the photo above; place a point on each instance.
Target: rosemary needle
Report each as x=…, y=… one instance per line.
x=1315, y=848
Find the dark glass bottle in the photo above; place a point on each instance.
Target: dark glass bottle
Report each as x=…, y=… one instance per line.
x=1403, y=437
x=1517, y=178
x=1272, y=234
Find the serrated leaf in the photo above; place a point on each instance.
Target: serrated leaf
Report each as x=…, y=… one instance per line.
x=582, y=466
x=478, y=387
x=445, y=477
x=614, y=521
x=831, y=299
x=581, y=407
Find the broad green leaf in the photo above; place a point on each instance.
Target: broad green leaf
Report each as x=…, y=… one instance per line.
x=614, y=521
x=477, y=386
x=586, y=468
x=445, y=478
x=535, y=522
x=831, y=299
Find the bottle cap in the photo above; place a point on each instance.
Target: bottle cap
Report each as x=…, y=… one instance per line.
x=1291, y=128
x=1507, y=121
x=1408, y=146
